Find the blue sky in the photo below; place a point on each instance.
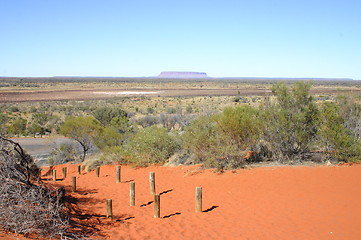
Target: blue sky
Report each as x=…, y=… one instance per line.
x=224, y=38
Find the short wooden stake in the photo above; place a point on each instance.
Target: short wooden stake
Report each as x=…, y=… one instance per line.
x=73, y=184
x=132, y=193
x=152, y=183
x=79, y=169
x=156, y=206
x=97, y=171
x=118, y=174
x=109, y=208
x=198, y=199
x=64, y=172
x=54, y=175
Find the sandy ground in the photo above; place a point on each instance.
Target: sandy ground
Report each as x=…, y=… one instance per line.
x=260, y=203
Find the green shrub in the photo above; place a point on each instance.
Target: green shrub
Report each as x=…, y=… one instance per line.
x=105, y=114
x=335, y=138
x=291, y=122
x=108, y=137
x=221, y=140
x=18, y=127
x=151, y=145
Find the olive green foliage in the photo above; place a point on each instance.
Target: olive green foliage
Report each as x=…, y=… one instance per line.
x=107, y=137
x=241, y=125
x=291, y=121
x=18, y=127
x=335, y=138
x=350, y=110
x=221, y=140
x=151, y=145
x=35, y=128
x=199, y=137
x=83, y=129
x=105, y=114
x=121, y=124
x=115, y=133
x=3, y=122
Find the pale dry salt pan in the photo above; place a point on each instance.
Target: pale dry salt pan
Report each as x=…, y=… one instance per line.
x=125, y=93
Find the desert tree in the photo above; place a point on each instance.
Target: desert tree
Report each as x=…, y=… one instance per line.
x=82, y=129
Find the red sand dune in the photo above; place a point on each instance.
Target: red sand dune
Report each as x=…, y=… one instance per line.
x=260, y=203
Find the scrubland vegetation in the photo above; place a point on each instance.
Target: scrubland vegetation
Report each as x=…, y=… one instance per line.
x=290, y=126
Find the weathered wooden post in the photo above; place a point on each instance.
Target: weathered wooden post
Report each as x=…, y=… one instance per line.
x=54, y=175
x=198, y=199
x=97, y=171
x=79, y=169
x=156, y=206
x=64, y=172
x=73, y=184
x=132, y=193
x=109, y=208
x=118, y=174
x=152, y=183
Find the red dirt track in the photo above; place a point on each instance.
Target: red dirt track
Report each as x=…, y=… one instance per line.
x=260, y=203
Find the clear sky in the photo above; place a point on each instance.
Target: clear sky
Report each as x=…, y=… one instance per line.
x=224, y=38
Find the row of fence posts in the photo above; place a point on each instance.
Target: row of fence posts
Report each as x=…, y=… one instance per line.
x=109, y=209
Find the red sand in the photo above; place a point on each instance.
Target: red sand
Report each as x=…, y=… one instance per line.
x=260, y=203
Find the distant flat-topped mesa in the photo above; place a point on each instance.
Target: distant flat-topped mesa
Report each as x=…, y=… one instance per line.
x=183, y=75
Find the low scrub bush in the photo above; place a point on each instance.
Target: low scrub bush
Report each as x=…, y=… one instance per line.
x=221, y=140
x=151, y=145
x=335, y=137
